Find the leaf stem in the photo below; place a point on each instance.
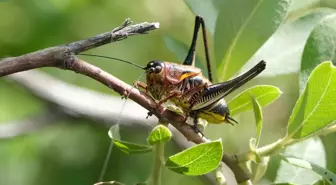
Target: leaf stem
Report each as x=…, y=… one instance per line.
x=264, y=151
x=155, y=177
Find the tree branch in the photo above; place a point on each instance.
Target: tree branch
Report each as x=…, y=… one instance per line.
x=64, y=57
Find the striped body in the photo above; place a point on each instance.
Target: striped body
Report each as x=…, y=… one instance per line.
x=189, y=85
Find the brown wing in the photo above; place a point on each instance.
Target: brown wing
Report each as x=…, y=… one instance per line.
x=175, y=73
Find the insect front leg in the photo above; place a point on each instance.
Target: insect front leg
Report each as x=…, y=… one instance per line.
x=174, y=93
x=139, y=84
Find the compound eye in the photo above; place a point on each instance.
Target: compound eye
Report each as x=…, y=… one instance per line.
x=149, y=65
x=151, y=69
x=157, y=69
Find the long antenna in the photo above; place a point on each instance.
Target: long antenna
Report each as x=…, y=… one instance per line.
x=118, y=59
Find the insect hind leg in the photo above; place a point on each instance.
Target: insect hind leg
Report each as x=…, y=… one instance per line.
x=190, y=59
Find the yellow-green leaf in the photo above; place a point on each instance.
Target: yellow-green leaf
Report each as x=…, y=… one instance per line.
x=316, y=107
x=264, y=94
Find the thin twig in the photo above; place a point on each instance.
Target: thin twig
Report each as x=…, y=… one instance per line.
x=64, y=57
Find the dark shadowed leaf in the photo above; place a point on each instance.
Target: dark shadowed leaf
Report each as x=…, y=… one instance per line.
x=320, y=47
x=124, y=146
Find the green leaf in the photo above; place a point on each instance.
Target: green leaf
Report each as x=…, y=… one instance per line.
x=124, y=146
x=320, y=182
x=197, y=160
x=181, y=50
x=160, y=134
x=283, y=51
x=242, y=27
x=328, y=3
x=325, y=173
x=311, y=149
x=207, y=9
x=114, y=132
x=131, y=148
x=320, y=47
x=264, y=94
x=142, y=183
x=258, y=117
x=315, y=108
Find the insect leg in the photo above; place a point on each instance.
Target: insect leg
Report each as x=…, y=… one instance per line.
x=171, y=95
x=195, y=121
x=190, y=59
x=140, y=84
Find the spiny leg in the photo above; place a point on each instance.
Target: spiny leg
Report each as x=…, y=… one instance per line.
x=171, y=95
x=190, y=59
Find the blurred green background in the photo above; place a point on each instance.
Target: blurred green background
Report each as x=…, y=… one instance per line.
x=71, y=150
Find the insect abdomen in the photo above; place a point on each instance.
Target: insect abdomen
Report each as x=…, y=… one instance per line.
x=216, y=113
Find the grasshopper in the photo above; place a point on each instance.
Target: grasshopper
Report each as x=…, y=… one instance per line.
x=185, y=85
x=188, y=89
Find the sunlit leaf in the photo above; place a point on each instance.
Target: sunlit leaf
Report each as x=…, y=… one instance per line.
x=325, y=173
x=315, y=108
x=160, y=134
x=320, y=47
x=197, y=160
x=242, y=27
x=264, y=94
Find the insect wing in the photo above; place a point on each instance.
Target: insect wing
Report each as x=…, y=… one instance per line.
x=175, y=73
